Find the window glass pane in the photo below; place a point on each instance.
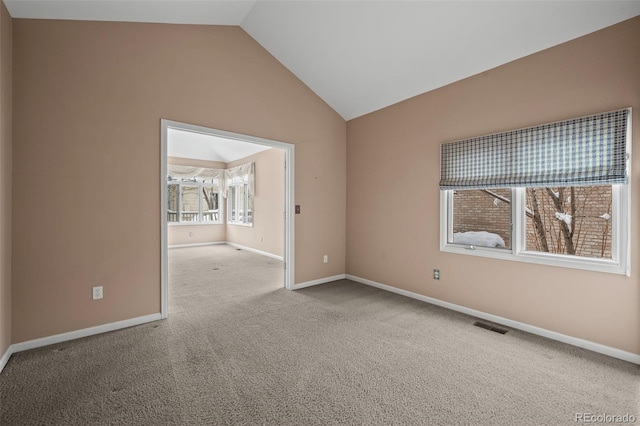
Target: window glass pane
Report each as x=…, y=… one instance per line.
x=241, y=203
x=210, y=210
x=172, y=203
x=232, y=204
x=189, y=203
x=570, y=220
x=249, y=207
x=482, y=218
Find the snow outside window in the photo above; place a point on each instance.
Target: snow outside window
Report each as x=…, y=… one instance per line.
x=481, y=218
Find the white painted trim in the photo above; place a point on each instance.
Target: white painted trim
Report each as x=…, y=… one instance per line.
x=319, y=281
x=289, y=207
x=263, y=253
x=164, y=230
x=5, y=358
x=213, y=243
x=574, y=341
x=85, y=332
x=289, y=216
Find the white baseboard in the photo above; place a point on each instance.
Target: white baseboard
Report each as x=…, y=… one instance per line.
x=319, y=281
x=197, y=244
x=264, y=253
x=72, y=335
x=5, y=358
x=581, y=343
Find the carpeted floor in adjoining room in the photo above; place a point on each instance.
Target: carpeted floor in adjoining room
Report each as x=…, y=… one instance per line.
x=240, y=349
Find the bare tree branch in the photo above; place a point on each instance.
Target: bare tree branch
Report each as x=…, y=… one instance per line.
x=558, y=201
x=537, y=221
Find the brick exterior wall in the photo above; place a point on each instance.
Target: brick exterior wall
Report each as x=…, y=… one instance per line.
x=476, y=210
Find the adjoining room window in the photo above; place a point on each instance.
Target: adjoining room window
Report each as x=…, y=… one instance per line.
x=210, y=202
x=240, y=184
x=189, y=203
x=172, y=208
x=193, y=196
x=555, y=194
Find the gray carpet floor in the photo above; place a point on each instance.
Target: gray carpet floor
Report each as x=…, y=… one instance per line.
x=240, y=349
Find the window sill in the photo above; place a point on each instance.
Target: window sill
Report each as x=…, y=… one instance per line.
x=246, y=225
x=565, y=261
x=193, y=223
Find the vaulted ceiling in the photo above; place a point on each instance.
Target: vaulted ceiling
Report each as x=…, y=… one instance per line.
x=361, y=56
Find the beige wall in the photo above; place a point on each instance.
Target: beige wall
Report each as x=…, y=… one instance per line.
x=267, y=232
x=196, y=234
x=89, y=97
x=393, y=174
x=6, y=35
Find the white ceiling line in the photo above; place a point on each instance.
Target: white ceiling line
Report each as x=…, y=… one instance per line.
x=198, y=12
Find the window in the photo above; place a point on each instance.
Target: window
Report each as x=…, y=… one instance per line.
x=239, y=182
x=572, y=220
x=173, y=209
x=189, y=203
x=193, y=201
x=193, y=195
x=210, y=203
x=240, y=205
x=555, y=194
x=481, y=218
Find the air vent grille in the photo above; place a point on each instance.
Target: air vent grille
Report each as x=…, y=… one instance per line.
x=489, y=327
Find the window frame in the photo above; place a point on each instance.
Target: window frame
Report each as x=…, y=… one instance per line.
x=200, y=184
x=201, y=202
x=620, y=241
x=245, y=201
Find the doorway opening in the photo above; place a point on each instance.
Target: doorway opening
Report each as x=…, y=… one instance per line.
x=235, y=210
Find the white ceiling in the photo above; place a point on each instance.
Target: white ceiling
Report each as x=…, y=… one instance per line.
x=185, y=144
x=363, y=56
x=204, y=12
x=360, y=56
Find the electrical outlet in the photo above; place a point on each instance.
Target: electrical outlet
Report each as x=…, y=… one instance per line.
x=436, y=274
x=97, y=293
x=326, y=258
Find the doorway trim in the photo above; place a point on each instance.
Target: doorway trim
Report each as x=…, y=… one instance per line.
x=289, y=176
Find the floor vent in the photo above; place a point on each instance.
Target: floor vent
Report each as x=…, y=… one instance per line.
x=489, y=327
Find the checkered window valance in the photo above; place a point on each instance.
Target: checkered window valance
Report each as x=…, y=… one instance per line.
x=579, y=152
